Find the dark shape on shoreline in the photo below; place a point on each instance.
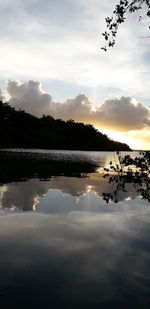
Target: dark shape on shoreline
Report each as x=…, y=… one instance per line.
x=23, y=166
x=23, y=130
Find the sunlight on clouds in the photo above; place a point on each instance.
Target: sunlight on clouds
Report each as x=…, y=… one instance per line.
x=63, y=42
x=116, y=114
x=123, y=119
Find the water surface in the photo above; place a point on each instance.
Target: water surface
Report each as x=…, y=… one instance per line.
x=62, y=245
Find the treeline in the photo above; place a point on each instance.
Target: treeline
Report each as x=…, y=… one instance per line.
x=23, y=130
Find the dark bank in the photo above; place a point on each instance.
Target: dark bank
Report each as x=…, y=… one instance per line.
x=21, y=129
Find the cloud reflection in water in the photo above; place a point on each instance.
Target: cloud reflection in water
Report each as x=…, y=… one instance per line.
x=84, y=259
x=74, y=251
x=26, y=195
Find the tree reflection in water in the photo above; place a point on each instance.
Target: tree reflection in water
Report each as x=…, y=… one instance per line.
x=27, y=179
x=66, y=254
x=129, y=170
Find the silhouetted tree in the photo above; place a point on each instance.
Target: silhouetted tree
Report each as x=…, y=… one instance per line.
x=21, y=129
x=119, y=15
x=129, y=170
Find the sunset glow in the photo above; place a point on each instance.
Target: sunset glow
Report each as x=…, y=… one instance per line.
x=56, y=63
x=134, y=142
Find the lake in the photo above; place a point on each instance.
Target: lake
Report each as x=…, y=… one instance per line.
x=61, y=244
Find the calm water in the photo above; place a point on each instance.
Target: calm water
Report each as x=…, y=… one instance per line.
x=63, y=246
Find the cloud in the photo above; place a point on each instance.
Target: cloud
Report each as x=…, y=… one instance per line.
x=26, y=194
x=29, y=96
x=2, y=97
x=123, y=114
x=61, y=41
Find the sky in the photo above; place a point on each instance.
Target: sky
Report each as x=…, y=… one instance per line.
x=52, y=63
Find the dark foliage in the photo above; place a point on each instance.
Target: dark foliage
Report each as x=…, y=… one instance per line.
x=23, y=130
x=119, y=15
x=129, y=170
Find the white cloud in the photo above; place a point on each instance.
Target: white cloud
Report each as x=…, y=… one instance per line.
x=29, y=96
x=60, y=40
x=123, y=114
x=2, y=97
